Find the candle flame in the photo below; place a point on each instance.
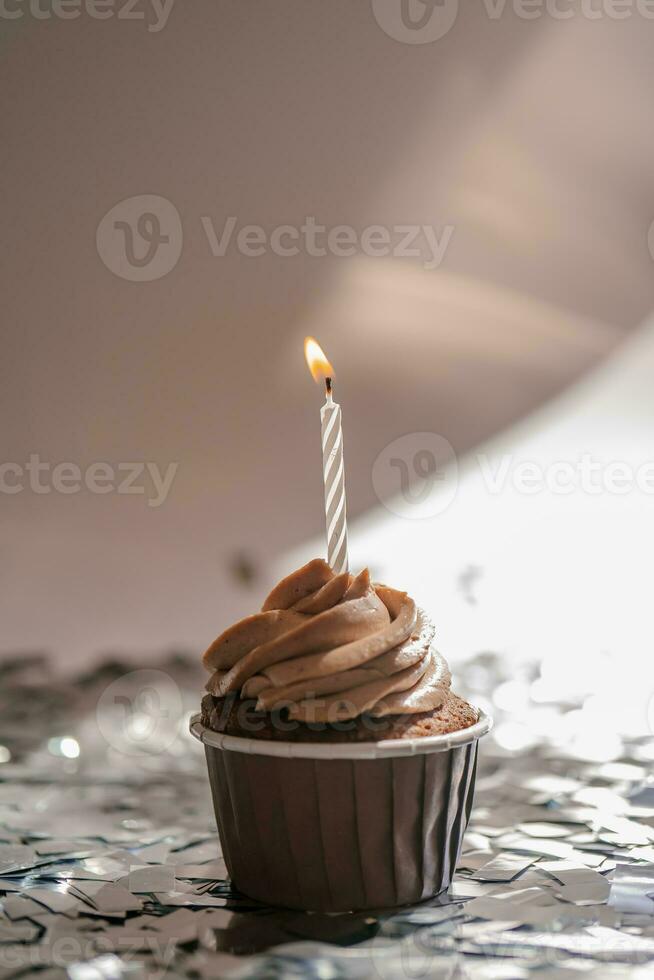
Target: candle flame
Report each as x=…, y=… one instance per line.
x=316, y=359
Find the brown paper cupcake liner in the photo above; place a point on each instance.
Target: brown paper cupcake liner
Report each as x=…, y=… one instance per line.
x=375, y=825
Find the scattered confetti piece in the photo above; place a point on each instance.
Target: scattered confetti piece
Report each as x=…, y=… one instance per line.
x=632, y=889
x=503, y=867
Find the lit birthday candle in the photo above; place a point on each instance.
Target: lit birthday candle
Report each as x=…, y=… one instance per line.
x=332, y=459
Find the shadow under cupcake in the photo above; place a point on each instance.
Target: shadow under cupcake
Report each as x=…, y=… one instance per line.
x=341, y=765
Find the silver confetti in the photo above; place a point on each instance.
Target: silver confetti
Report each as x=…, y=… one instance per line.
x=632, y=888
x=503, y=867
x=110, y=865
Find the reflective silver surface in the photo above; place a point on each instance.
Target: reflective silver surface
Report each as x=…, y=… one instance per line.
x=109, y=861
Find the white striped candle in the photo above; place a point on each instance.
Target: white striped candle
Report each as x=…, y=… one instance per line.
x=332, y=460
x=334, y=476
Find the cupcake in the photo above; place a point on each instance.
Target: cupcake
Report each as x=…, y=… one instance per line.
x=341, y=763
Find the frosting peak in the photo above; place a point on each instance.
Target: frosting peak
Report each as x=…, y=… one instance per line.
x=329, y=648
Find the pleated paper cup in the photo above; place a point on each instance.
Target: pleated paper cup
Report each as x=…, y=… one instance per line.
x=337, y=827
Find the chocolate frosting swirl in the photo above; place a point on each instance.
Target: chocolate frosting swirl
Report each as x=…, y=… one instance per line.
x=331, y=647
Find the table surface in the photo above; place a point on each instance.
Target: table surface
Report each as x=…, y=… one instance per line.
x=110, y=864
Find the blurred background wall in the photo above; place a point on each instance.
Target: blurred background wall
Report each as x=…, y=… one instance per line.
x=525, y=145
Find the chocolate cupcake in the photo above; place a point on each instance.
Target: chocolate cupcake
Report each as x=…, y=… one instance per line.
x=341, y=764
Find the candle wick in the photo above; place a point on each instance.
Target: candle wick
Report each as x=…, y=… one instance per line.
x=328, y=388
